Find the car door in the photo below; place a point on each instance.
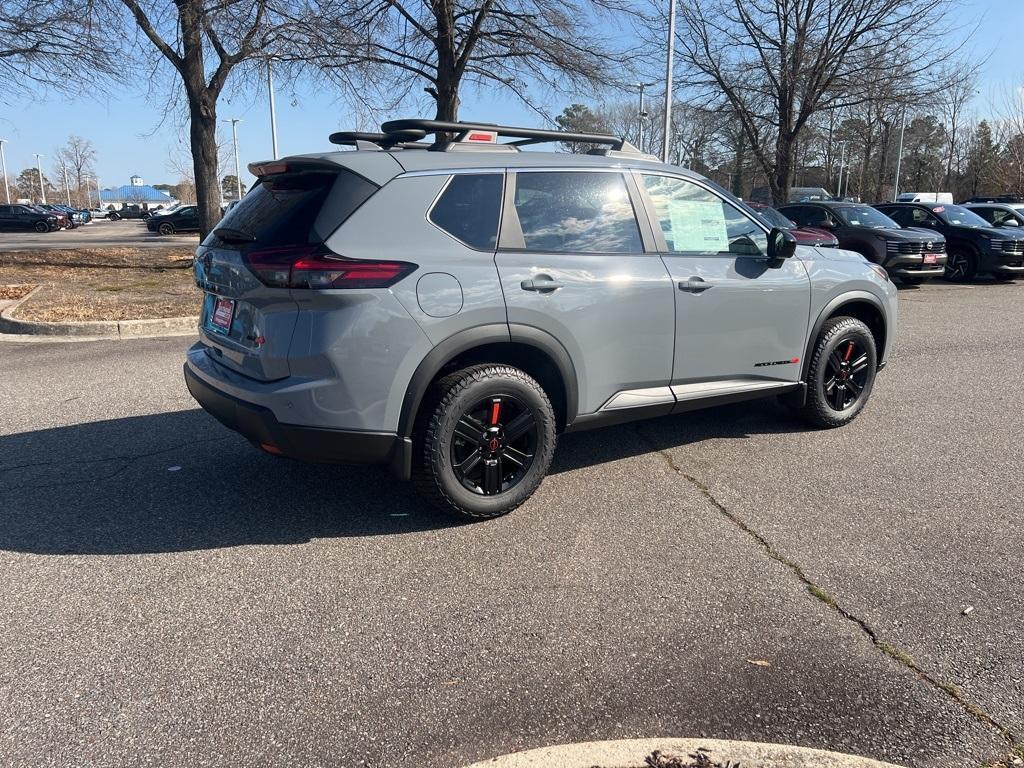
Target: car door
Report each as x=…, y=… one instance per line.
x=6, y=217
x=741, y=320
x=188, y=220
x=572, y=262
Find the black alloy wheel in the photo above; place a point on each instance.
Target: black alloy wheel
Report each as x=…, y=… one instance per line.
x=42, y=226
x=960, y=266
x=485, y=436
x=847, y=374
x=166, y=228
x=841, y=375
x=494, y=444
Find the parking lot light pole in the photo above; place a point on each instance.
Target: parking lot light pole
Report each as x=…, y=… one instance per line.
x=39, y=168
x=67, y=186
x=668, y=79
x=642, y=114
x=234, y=141
x=3, y=169
x=899, y=157
x=273, y=111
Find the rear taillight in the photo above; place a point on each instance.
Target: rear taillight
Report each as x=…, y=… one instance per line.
x=316, y=267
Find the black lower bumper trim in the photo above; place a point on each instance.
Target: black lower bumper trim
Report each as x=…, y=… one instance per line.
x=260, y=426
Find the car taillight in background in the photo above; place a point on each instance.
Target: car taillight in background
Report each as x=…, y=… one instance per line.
x=316, y=267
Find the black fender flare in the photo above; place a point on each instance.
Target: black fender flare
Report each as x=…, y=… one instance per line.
x=827, y=311
x=464, y=341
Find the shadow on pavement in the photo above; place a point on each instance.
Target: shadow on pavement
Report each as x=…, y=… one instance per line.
x=180, y=481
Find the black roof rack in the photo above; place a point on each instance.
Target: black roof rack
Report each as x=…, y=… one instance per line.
x=407, y=133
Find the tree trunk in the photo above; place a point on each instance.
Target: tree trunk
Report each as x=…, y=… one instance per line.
x=203, y=138
x=447, y=96
x=781, y=180
x=737, y=176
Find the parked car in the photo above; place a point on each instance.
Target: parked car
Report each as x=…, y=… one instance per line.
x=999, y=214
x=130, y=212
x=450, y=312
x=15, y=217
x=925, y=197
x=78, y=215
x=804, y=235
x=62, y=218
x=975, y=246
x=99, y=213
x=796, y=194
x=70, y=219
x=913, y=256
x=184, y=219
x=994, y=199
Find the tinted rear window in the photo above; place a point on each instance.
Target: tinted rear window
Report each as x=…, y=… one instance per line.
x=469, y=209
x=281, y=210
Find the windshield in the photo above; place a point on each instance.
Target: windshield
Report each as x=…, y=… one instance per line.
x=959, y=216
x=865, y=216
x=773, y=218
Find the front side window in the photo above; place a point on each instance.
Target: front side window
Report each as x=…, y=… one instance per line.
x=576, y=212
x=693, y=220
x=468, y=209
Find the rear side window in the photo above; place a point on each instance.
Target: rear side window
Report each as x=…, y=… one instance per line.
x=576, y=212
x=281, y=210
x=469, y=209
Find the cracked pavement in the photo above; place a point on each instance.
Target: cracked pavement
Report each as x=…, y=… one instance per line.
x=169, y=595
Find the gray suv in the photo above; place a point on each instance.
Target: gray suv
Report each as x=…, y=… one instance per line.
x=448, y=307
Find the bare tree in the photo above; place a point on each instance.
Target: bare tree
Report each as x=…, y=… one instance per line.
x=442, y=44
x=777, y=63
x=204, y=43
x=78, y=158
x=49, y=44
x=953, y=104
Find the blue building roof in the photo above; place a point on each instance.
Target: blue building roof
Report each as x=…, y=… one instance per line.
x=135, y=193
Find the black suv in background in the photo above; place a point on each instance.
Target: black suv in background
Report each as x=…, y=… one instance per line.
x=27, y=217
x=975, y=246
x=999, y=214
x=913, y=256
x=184, y=219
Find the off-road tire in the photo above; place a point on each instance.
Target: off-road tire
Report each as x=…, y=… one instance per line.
x=445, y=404
x=837, y=331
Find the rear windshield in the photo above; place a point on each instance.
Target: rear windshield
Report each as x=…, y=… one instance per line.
x=282, y=210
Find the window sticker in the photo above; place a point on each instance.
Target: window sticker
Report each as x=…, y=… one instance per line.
x=698, y=225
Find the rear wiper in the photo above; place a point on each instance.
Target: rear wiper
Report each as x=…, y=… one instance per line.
x=231, y=235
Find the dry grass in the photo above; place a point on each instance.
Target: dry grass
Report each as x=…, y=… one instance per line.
x=107, y=284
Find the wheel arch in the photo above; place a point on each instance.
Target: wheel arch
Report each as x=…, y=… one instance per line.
x=536, y=352
x=530, y=349
x=861, y=305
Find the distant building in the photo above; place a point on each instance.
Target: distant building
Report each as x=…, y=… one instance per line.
x=135, y=193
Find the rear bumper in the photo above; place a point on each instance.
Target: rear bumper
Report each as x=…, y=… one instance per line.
x=259, y=425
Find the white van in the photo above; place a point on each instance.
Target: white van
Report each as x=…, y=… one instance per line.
x=925, y=197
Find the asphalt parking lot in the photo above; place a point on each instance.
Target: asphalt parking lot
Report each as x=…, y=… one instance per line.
x=172, y=596
x=97, y=234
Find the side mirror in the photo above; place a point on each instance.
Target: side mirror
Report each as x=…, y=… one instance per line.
x=1008, y=223
x=781, y=244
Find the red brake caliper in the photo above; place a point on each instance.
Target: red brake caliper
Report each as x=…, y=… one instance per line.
x=849, y=351
x=495, y=412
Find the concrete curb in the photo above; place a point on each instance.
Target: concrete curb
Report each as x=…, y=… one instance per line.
x=94, y=329
x=631, y=753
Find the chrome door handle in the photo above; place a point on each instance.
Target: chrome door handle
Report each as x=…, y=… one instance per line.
x=694, y=285
x=542, y=284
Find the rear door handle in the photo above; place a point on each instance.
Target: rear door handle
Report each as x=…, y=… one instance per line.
x=694, y=285
x=542, y=284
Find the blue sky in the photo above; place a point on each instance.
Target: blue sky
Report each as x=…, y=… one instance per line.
x=129, y=138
